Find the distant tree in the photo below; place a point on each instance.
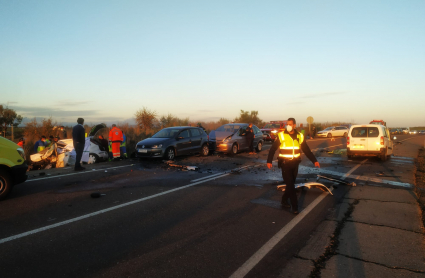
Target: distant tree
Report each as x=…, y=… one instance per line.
x=167, y=121
x=248, y=117
x=145, y=119
x=8, y=117
x=223, y=121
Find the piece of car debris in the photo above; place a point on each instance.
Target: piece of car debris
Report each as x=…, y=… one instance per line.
x=335, y=180
x=184, y=167
x=96, y=195
x=308, y=185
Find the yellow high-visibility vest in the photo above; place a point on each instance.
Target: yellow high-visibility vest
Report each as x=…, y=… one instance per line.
x=290, y=149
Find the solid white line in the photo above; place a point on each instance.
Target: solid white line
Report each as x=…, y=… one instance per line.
x=210, y=176
x=101, y=211
x=357, y=177
x=353, y=169
x=227, y=172
x=85, y=172
x=326, y=147
x=265, y=249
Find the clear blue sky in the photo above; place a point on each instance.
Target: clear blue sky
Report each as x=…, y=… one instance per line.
x=103, y=60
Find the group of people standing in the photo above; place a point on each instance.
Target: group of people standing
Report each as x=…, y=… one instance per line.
x=116, y=146
x=43, y=142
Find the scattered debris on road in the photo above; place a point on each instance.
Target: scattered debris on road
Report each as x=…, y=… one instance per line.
x=335, y=180
x=183, y=167
x=308, y=185
x=96, y=195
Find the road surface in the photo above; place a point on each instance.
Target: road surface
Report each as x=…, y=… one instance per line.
x=157, y=221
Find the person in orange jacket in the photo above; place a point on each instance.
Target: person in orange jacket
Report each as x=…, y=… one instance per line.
x=116, y=138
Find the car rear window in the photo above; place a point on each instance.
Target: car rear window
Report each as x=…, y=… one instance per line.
x=365, y=132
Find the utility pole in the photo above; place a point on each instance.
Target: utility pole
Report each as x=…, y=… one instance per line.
x=12, y=132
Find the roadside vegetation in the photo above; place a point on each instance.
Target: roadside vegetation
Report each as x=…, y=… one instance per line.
x=420, y=181
x=147, y=123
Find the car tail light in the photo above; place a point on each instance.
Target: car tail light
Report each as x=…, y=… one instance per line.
x=382, y=140
x=348, y=141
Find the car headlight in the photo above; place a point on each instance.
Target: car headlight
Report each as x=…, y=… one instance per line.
x=157, y=146
x=21, y=152
x=274, y=131
x=227, y=139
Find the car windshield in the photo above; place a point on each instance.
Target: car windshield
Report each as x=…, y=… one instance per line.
x=329, y=128
x=272, y=126
x=166, y=133
x=228, y=128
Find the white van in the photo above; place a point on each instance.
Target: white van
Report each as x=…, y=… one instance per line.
x=369, y=140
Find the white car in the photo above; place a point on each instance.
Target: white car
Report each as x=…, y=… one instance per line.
x=406, y=130
x=96, y=152
x=413, y=132
x=333, y=131
x=369, y=140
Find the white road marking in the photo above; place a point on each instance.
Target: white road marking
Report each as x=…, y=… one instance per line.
x=102, y=211
x=357, y=177
x=85, y=172
x=326, y=147
x=227, y=172
x=265, y=249
x=210, y=176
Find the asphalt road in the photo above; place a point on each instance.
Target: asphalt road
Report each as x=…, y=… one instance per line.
x=157, y=221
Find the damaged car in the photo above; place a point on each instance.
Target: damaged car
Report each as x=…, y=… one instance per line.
x=62, y=153
x=231, y=138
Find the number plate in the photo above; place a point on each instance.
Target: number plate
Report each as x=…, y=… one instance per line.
x=143, y=151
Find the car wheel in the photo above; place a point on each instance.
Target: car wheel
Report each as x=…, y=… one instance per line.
x=205, y=150
x=5, y=184
x=384, y=155
x=329, y=135
x=259, y=146
x=170, y=153
x=234, y=149
x=345, y=134
x=94, y=158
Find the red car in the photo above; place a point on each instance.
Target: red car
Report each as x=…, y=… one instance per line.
x=271, y=129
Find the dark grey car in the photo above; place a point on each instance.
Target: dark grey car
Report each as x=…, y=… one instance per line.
x=173, y=141
x=231, y=138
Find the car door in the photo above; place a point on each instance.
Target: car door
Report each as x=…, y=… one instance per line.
x=373, y=138
x=196, y=140
x=183, y=142
x=338, y=131
x=241, y=139
x=258, y=135
x=358, y=138
x=387, y=140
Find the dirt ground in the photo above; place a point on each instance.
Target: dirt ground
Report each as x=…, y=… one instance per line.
x=420, y=181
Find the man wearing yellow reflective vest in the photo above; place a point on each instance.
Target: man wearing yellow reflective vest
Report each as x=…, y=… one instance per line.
x=290, y=142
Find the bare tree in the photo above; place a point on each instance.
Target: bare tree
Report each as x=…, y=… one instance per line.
x=145, y=119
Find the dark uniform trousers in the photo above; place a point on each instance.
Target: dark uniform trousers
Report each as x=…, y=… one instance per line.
x=79, y=149
x=289, y=174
